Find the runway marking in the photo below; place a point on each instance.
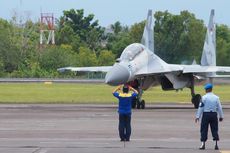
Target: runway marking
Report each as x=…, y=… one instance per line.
x=43, y=151
x=39, y=150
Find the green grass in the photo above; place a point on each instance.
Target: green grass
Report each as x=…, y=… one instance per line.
x=157, y=95
x=90, y=93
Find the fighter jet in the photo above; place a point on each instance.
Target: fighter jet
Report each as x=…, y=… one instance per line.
x=139, y=64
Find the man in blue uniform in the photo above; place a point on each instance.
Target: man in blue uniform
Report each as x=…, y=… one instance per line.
x=125, y=104
x=210, y=109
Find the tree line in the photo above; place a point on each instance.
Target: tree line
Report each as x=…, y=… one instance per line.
x=81, y=41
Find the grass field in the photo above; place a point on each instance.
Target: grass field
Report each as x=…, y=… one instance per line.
x=91, y=93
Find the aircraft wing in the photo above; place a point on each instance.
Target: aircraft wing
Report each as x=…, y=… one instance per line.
x=152, y=71
x=86, y=69
x=174, y=68
x=156, y=67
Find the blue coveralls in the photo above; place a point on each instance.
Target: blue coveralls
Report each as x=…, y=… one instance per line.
x=124, y=110
x=209, y=108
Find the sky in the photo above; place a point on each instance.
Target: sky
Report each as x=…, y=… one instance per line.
x=107, y=12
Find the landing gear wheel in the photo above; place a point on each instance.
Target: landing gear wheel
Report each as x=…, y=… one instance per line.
x=142, y=104
x=134, y=103
x=196, y=100
x=138, y=104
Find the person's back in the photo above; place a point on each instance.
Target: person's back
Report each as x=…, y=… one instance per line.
x=125, y=102
x=211, y=102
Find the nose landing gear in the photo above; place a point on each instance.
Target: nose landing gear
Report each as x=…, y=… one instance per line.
x=139, y=104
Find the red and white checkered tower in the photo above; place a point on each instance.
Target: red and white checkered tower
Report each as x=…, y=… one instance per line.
x=47, y=28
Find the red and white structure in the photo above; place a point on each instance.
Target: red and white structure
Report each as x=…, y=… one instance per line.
x=47, y=29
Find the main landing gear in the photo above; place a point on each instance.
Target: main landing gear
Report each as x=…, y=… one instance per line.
x=195, y=97
x=196, y=100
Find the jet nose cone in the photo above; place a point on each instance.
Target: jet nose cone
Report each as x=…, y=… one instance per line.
x=117, y=75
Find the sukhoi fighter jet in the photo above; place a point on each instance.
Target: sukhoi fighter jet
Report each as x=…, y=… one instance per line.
x=138, y=63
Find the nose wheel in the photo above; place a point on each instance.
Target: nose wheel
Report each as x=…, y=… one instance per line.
x=136, y=103
x=141, y=105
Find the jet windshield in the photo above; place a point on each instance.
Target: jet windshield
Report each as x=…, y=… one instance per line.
x=131, y=51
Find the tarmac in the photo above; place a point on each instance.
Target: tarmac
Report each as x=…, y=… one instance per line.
x=168, y=128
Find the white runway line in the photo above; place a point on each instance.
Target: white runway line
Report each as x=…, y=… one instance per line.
x=40, y=151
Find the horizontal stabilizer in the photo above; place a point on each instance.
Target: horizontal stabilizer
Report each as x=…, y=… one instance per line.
x=205, y=69
x=221, y=76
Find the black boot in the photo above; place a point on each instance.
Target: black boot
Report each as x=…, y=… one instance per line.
x=216, y=146
x=202, y=147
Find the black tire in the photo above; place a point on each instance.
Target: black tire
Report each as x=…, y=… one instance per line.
x=134, y=103
x=196, y=100
x=138, y=104
x=142, y=104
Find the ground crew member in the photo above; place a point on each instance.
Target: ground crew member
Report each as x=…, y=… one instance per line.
x=125, y=104
x=209, y=108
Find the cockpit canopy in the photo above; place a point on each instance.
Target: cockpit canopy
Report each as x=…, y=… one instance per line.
x=131, y=51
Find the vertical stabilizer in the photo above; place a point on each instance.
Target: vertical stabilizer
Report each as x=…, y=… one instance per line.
x=209, y=50
x=194, y=62
x=147, y=38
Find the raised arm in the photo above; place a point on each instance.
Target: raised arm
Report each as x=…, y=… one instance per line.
x=117, y=88
x=132, y=89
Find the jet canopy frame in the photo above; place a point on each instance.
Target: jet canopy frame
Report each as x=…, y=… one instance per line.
x=131, y=51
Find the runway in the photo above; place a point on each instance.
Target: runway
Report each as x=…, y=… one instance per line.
x=93, y=129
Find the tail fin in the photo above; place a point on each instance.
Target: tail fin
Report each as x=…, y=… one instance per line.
x=209, y=50
x=147, y=37
x=194, y=62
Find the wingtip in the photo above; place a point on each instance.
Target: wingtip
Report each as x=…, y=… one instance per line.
x=61, y=70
